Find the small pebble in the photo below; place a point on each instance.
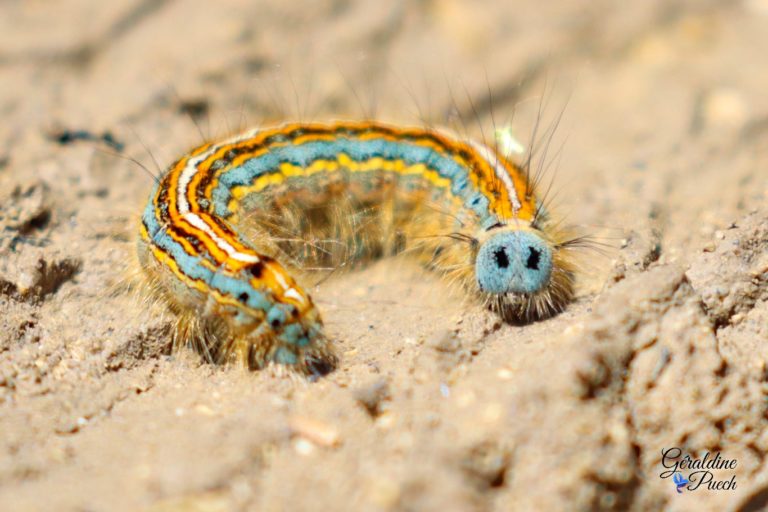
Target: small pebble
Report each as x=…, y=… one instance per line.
x=204, y=410
x=316, y=431
x=303, y=447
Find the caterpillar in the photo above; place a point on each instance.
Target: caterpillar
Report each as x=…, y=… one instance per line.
x=221, y=219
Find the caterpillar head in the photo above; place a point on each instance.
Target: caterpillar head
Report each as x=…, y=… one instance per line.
x=522, y=275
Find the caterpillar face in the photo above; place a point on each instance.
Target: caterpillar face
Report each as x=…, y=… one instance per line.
x=513, y=262
x=522, y=275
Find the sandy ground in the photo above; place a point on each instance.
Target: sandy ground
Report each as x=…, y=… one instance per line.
x=436, y=406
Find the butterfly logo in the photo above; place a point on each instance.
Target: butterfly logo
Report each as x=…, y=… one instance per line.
x=680, y=482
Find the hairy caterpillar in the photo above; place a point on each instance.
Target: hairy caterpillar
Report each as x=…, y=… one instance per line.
x=211, y=233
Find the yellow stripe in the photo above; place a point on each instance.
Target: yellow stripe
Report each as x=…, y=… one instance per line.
x=288, y=170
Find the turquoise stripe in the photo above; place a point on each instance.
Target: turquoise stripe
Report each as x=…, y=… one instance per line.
x=303, y=155
x=192, y=266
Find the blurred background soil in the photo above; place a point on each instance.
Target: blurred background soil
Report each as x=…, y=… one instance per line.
x=662, y=152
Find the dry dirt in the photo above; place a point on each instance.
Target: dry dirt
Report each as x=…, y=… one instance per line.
x=436, y=406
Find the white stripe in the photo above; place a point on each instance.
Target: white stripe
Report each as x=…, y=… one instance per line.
x=242, y=136
x=186, y=176
x=191, y=168
x=281, y=281
x=181, y=197
x=293, y=294
x=501, y=173
x=196, y=221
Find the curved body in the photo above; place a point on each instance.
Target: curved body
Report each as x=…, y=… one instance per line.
x=215, y=225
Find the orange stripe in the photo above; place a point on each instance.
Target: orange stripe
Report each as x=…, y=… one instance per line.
x=481, y=173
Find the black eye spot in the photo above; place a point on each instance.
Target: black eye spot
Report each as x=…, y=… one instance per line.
x=502, y=260
x=533, y=259
x=275, y=323
x=243, y=297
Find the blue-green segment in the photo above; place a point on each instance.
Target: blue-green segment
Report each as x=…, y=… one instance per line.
x=236, y=286
x=303, y=155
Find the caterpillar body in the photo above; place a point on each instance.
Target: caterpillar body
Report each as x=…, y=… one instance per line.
x=223, y=217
